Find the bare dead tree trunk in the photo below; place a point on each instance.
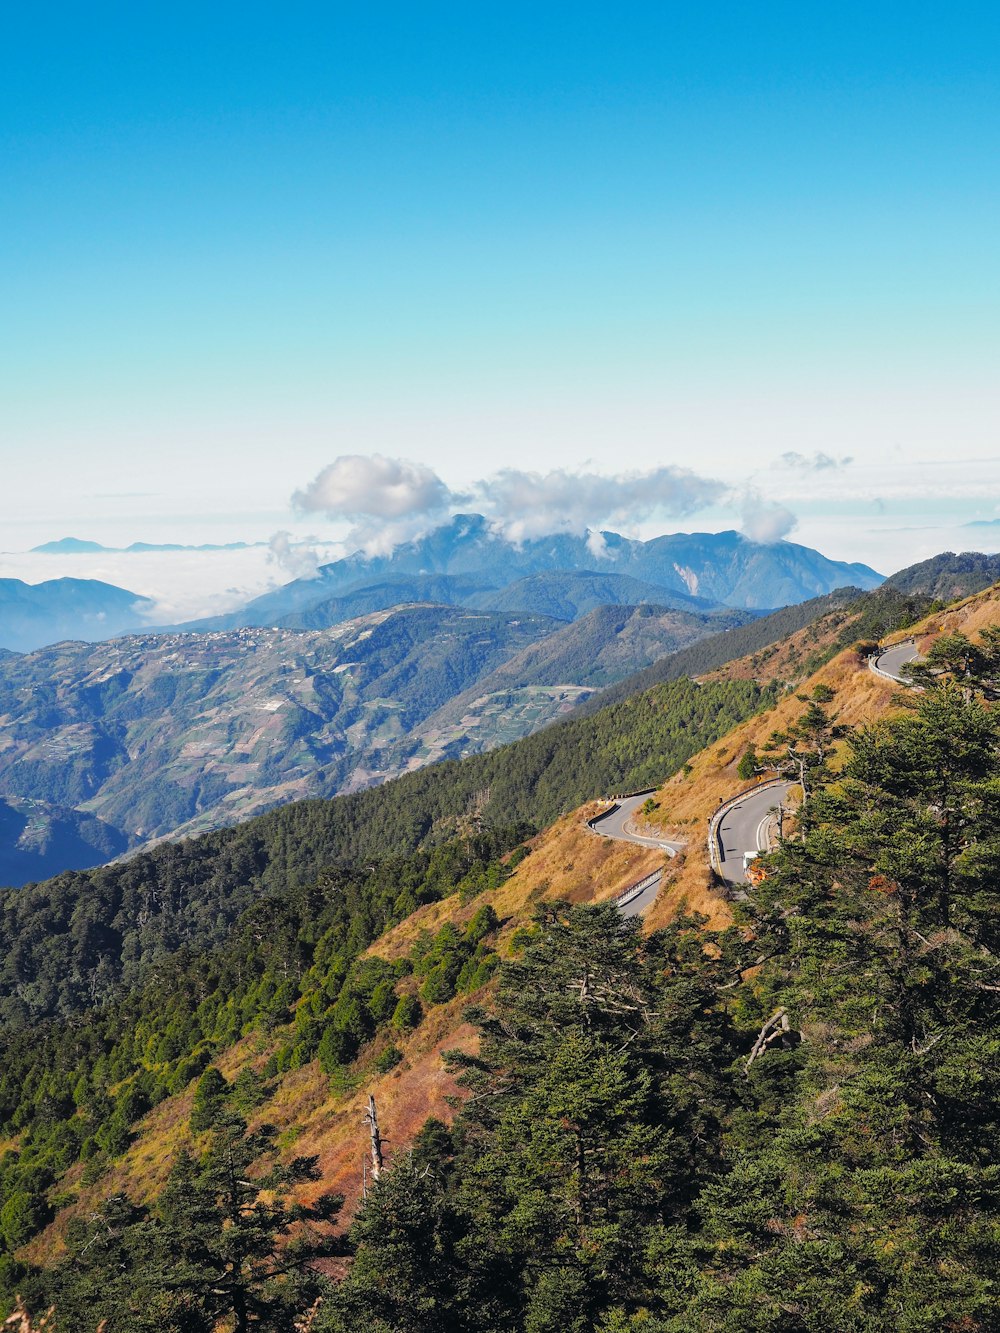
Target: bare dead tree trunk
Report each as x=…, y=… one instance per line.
x=776, y=1026
x=371, y=1119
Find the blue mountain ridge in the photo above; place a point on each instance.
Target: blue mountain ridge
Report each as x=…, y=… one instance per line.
x=700, y=569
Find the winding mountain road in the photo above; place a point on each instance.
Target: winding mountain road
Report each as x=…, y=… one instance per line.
x=891, y=662
x=747, y=823
x=618, y=824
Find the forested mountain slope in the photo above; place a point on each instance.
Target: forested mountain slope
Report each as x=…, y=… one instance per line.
x=841, y=1037
x=75, y=938
x=948, y=576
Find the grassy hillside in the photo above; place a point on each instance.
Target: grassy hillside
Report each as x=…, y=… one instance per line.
x=800, y=637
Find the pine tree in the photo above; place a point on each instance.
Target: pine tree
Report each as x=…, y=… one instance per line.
x=401, y=1278
x=224, y=1246
x=865, y=1194
x=573, y=1153
x=233, y=1238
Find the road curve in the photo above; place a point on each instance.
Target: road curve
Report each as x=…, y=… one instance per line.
x=749, y=825
x=617, y=823
x=890, y=662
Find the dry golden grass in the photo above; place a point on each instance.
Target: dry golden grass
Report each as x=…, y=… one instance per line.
x=333, y=1129
x=969, y=615
x=567, y=861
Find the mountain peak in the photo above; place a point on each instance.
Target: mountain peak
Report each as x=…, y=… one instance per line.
x=68, y=546
x=725, y=567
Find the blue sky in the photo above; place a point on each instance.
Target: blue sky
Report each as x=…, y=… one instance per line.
x=240, y=240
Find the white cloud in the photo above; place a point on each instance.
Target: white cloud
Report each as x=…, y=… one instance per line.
x=300, y=559
x=597, y=545
x=359, y=486
x=816, y=462
x=389, y=501
x=763, y=520
x=523, y=504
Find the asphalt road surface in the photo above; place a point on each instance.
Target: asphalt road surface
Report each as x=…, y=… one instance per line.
x=891, y=661
x=643, y=900
x=749, y=826
x=618, y=824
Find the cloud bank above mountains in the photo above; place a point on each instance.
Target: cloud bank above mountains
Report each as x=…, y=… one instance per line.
x=390, y=500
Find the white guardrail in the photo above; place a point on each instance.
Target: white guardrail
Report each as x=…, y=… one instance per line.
x=615, y=802
x=631, y=891
x=873, y=662
x=629, y=894
x=715, y=823
x=637, y=839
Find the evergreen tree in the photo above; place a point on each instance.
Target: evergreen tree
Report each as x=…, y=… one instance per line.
x=401, y=1279
x=223, y=1247
x=865, y=1194
x=565, y=1195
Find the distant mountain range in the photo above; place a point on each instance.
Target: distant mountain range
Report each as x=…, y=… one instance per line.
x=77, y=546
x=160, y=734
x=722, y=567
x=35, y=614
x=466, y=562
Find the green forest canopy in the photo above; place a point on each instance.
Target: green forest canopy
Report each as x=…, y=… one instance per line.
x=795, y=1129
